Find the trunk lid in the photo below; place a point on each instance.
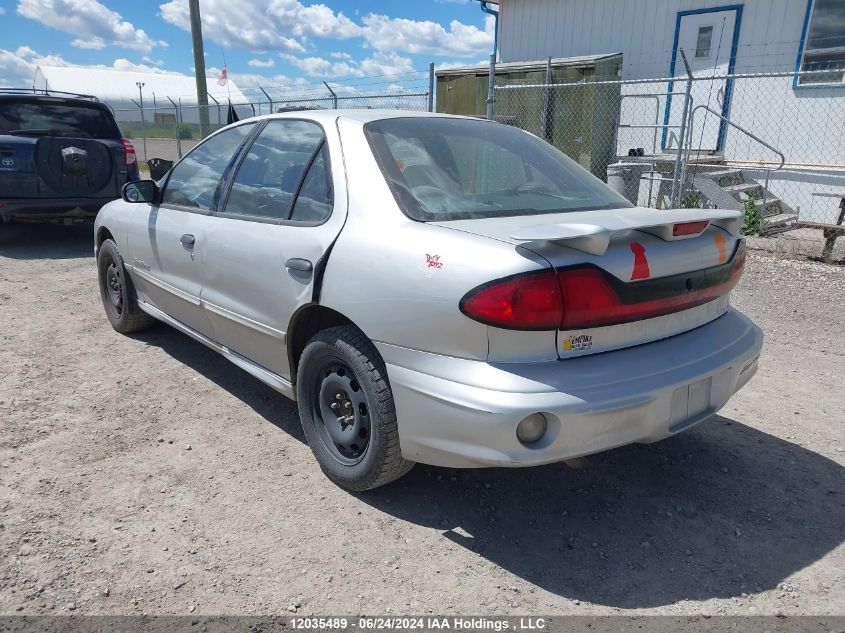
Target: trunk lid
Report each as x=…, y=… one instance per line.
x=666, y=283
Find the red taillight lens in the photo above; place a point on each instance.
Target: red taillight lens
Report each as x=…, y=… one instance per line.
x=586, y=297
x=689, y=228
x=129, y=151
x=524, y=302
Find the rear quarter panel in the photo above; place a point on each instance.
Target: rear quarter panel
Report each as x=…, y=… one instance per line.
x=401, y=281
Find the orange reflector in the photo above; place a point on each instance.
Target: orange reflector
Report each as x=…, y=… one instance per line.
x=689, y=228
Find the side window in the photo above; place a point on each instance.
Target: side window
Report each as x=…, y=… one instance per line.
x=269, y=176
x=315, y=200
x=194, y=180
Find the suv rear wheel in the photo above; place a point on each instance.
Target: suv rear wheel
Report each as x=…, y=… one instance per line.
x=118, y=293
x=347, y=411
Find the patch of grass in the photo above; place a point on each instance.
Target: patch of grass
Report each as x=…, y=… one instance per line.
x=693, y=201
x=752, y=223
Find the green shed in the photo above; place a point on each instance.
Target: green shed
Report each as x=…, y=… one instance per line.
x=576, y=115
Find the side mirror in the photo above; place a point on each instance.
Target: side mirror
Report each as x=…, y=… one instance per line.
x=140, y=191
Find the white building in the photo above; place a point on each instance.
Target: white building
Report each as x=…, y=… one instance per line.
x=800, y=115
x=119, y=89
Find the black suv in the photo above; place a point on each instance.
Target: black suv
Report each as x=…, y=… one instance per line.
x=61, y=156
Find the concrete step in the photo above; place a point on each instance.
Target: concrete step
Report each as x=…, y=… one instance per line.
x=726, y=177
x=774, y=206
x=779, y=220
x=750, y=189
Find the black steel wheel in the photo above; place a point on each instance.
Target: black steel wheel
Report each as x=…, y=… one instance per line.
x=343, y=413
x=114, y=290
x=347, y=411
x=118, y=293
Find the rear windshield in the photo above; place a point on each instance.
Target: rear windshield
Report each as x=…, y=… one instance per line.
x=56, y=119
x=453, y=169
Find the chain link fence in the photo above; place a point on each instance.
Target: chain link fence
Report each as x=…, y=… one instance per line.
x=168, y=129
x=769, y=145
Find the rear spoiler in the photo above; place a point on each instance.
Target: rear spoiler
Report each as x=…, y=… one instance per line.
x=594, y=238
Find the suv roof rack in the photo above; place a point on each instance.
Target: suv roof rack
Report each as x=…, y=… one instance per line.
x=47, y=93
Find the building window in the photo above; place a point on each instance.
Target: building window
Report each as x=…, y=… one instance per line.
x=824, y=46
x=703, y=42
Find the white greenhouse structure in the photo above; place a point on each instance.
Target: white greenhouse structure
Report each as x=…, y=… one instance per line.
x=120, y=90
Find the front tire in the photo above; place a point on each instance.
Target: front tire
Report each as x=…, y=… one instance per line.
x=118, y=293
x=347, y=410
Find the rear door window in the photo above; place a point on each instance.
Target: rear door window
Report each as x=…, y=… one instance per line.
x=315, y=200
x=56, y=119
x=274, y=171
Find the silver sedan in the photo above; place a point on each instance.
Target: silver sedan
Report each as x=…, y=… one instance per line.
x=433, y=289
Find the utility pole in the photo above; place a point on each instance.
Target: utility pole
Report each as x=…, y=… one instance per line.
x=199, y=66
x=140, y=85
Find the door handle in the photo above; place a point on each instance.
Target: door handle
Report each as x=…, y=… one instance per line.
x=187, y=240
x=301, y=265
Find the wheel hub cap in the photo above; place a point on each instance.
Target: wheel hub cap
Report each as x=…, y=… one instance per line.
x=114, y=287
x=344, y=414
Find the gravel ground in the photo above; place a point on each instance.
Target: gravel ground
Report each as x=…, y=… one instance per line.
x=145, y=474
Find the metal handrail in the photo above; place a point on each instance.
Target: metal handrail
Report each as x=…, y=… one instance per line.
x=734, y=125
x=741, y=129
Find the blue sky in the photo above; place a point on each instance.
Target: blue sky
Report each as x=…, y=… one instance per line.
x=267, y=42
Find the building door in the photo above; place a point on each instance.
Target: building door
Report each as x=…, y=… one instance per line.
x=709, y=38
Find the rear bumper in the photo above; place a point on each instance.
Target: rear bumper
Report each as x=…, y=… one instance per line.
x=52, y=208
x=463, y=413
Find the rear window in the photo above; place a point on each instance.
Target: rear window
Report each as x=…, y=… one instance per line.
x=56, y=119
x=454, y=169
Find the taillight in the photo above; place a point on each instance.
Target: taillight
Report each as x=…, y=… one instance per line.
x=129, y=151
x=523, y=302
x=689, y=228
x=586, y=297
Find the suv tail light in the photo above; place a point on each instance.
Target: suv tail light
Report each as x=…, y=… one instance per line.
x=129, y=151
x=586, y=296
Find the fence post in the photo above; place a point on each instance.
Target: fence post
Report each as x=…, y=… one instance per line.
x=333, y=93
x=431, y=87
x=143, y=126
x=491, y=88
x=269, y=98
x=178, y=121
x=676, y=177
x=217, y=103
x=545, y=113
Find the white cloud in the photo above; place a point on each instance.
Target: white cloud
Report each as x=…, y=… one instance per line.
x=95, y=43
x=287, y=26
x=95, y=24
x=249, y=27
x=412, y=36
x=340, y=55
x=261, y=63
x=17, y=68
x=2, y=11
x=378, y=64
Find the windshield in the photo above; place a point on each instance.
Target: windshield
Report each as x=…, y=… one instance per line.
x=56, y=119
x=454, y=169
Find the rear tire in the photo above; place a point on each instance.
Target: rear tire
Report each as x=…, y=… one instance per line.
x=347, y=410
x=118, y=292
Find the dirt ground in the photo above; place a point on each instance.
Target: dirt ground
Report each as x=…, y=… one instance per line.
x=145, y=474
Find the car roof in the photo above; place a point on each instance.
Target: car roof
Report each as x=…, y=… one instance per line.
x=57, y=100
x=361, y=115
